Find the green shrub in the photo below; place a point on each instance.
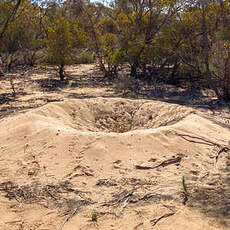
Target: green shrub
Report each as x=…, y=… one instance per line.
x=84, y=58
x=94, y=216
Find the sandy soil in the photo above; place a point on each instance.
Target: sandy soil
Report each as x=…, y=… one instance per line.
x=95, y=155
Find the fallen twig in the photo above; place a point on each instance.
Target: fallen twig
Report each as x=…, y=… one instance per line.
x=68, y=218
x=202, y=140
x=205, y=142
x=122, y=197
x=126, y=202
x=146, y=196
x=143, y=167
x=155, y=221
x=221, y=150
x=169, y=162
x=124, y=206
x=162, y=164
x=137, y=226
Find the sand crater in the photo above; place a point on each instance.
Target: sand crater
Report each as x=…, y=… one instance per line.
x=114, y=114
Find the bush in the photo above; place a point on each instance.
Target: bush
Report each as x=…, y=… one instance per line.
x=84, y=58
x=126, y=84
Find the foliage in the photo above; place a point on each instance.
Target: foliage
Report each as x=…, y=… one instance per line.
x=188, y=39
x=94, y=216
x=184, y=184
x=84, y=57
x=61, y=41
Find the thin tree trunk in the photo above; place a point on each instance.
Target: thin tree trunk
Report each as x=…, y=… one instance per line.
x=95, y=37
x=4, y=28
x=226, y=27
x=134, y=67
x=174, y=70
x=205, y=46
x=227, y=78
x=11, y=16
x=61, y=72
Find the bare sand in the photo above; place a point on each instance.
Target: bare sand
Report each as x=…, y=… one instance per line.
x=119, y=160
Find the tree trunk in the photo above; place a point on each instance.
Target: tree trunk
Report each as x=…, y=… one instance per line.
x=61, y=72
x=10, y=61
x=134, y=66
x=5, y=26
x=205, y=47
x=14, y=11
x=174, y=70
x=96, y=40
x=227, y=78
x=226, y=27
x=1, y=67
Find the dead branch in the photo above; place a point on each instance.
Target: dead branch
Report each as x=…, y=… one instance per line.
x=221, y=150
x=155, y=221
x=143, y=167
x=146, y=196
x=169, y=162
x=201, y=140
x=205, y=142
x=121, y=197
x=162, y=164
x=137, y=226
x=68, y=218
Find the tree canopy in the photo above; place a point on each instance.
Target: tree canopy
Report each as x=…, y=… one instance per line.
x=166, y=39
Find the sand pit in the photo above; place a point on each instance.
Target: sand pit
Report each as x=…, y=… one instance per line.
x=110, y=115
x=122, y=159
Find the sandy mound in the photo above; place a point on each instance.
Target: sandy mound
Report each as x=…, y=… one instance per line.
x=107, y=115
x=122, y=159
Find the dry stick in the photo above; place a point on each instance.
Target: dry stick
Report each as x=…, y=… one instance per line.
x=68, y=218
x=146, y=197
x=127, y=195
x=206, y=142
x=155, y=221
x=223, y=149
x=137, y=226
x=169, y=162
x=121, y=199
x=142, y=167
x=124, y=206
x=162, y=164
